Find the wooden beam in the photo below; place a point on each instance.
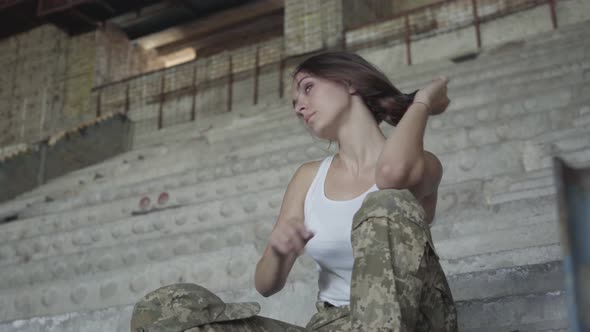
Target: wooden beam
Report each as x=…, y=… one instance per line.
x=260, y=29
x=210, y=24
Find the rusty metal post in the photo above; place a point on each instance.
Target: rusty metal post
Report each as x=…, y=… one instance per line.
x=98, y=103
x=162, y=97
x=553, y=10
x=194, y=91
x=256, y=73
x=281, y=69
x=127, y=99
x=476, y=23
x=230, y=83
x=573, y=198
x=408, y=39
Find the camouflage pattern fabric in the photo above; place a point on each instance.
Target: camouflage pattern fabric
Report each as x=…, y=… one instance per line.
x=189, y=307
x=397, y=281
x=252, y=324
x=397, y=284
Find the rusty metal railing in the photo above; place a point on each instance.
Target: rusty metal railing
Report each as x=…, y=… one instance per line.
x=406, y=30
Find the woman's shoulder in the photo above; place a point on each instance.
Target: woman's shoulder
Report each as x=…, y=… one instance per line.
x=307, y=171
x=294, y=198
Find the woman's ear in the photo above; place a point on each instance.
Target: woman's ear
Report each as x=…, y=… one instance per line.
x=350, y=87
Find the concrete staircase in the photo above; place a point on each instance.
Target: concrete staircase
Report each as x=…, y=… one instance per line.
x=196, y=203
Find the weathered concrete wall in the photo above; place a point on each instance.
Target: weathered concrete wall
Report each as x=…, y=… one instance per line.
x=77, y=149
x=19, y=174
x=47, y=79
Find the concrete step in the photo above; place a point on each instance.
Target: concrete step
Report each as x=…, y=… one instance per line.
x=484, y=69
x=92, y=250
x=570, y=142
x=174, y=221
x=515, y=120
x=103, y=191
x=572, y=145
x=108, y=289
x=137, y=253
x=514, y=280
x=503, y=259
x=567, y=98
x=113, y=319
x=529, y=185
x=128, y=159
x=195, y=193
x=532, y=312
x=473, y=218
x=138, y=250
x=225, y=166
x=107, y=182
x=13, y=207
x=543, y=232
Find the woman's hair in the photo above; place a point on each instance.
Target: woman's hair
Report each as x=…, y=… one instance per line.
x=384, y=100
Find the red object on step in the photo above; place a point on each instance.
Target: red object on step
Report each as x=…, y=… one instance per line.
x=144, y=203
x=163, y=198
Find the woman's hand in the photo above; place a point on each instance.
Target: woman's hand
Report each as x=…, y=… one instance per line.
x=289, y=237
x=435, y=95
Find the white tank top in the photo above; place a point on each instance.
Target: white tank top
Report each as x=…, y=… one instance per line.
x=331, y=222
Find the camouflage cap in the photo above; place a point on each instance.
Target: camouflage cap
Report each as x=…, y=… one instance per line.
x=179, y=307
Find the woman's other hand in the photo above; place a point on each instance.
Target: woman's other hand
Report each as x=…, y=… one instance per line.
x=435, y=95
x=289, y=237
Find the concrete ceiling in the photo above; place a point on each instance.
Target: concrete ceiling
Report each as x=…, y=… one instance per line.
x=168, y=26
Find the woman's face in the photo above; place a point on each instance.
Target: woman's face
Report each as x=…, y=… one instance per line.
x=320, y=103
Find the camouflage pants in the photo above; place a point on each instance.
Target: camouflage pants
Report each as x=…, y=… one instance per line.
x=397, y=281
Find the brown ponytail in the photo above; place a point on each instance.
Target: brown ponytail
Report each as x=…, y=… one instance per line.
x=384, y=100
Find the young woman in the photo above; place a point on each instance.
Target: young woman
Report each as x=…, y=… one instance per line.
x=363, y=214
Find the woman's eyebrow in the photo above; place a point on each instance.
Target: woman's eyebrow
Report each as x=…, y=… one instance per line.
x=302, y=80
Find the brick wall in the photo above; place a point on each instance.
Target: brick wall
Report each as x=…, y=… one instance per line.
x=48, y=77
x=33, y=65
x=311, y=25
